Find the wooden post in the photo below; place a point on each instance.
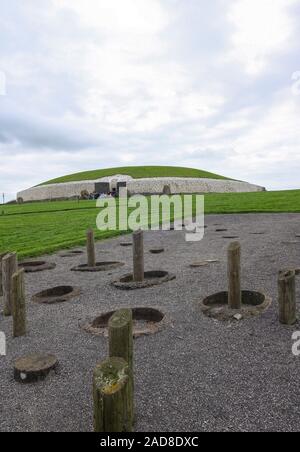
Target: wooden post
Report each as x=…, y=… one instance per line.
x=111, y=397
x=138, y=256
x=234, y=276
x=9, y=267
x=90, y=246
x=121, y=346
x=18, y=304
x=287, y=297
x=1, y=258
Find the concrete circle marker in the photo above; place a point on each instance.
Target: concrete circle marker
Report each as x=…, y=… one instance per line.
x=35, y=367
x=151, y=278
x=145, y=321
x=157, y=250
x=253, y=304
x=72, y=253
x=56, y=295
x=36, y=266
x=98, y=267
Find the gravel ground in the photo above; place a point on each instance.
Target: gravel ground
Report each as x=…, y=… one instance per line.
x=195, y=375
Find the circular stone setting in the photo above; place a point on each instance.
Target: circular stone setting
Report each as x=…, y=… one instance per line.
x=33, y=368
x=36, y=266
x=145, y=321
x=253, y=304
x=72, y=253
x=152, y=278
x=157, y=250
x=100, y=267
x=55, y=295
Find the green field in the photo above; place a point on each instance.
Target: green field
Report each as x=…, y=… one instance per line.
x=137, y=172
x=39, y=228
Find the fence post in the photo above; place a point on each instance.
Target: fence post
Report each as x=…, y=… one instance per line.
x=1, y=258
x=111, y=397
x=234, y=276
x=138, y=256
x=287, y=297
x=121, y=346
x=18, y=304
x=90, y=246
x=9, y=267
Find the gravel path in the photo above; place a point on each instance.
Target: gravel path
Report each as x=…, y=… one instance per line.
x=194, y=375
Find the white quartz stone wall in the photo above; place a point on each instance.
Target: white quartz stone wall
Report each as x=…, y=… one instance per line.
x=138, y=186
x=184, y=185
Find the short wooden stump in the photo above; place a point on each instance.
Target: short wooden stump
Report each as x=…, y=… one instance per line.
x=35, y=367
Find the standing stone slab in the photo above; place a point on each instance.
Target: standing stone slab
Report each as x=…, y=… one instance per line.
x=111, y=397
x=287, y=297
x=19, y=304
x=234, y=276
x=33, y=368
x=90, y=247
x=120, y=327
x=9, y=267
x=138, y=256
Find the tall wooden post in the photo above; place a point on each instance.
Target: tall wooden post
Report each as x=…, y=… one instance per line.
x=90, y=247
x=121, y=346
x=9, y=267
x=234, y=276
x=1, y=258
x=138, y=256
x=18, y=304
x=287, y=297
x=111, y=397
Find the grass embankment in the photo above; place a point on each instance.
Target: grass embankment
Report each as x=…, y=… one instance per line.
x=137, y=172
x=39, y=228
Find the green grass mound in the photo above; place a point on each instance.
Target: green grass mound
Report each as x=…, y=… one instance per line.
x=137, y=172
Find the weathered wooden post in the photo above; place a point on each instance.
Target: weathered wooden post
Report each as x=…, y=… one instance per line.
x=234, y=276
x=111, y=397
x=138, y=256
x=9, y=267
x=1, y=258
x=18, y=304
x=287, y=297
x=121, y=346
x=90, y=246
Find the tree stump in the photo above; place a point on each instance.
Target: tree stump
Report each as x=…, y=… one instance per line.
x=287, y=297
x=234, y=276
x=90, y=246
x=9, y=267
x=120, y=327
x=111, y=397
x=18, y=304
x=138, y=256
x=33, y=368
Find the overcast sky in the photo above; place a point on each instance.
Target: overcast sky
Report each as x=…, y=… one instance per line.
x=100, y=83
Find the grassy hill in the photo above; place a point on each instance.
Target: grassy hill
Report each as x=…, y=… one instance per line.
x=137, y=172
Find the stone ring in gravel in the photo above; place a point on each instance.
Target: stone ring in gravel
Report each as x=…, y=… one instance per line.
x=56, y=295
x=253, y=304
x=100, y=267
x=152, y=278
x=36, y=266
x=145, y=321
